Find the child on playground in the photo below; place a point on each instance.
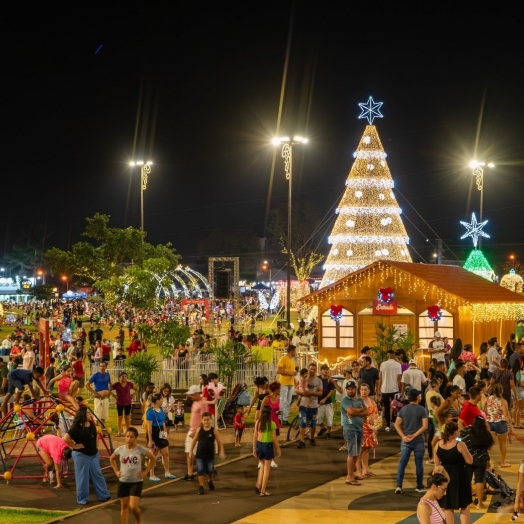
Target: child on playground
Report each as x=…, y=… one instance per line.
x=53, y=450
x=130, y=474
x=302, y=387
x=179, y=414
x=205, y=437
x=67, y=386
x=239, y=425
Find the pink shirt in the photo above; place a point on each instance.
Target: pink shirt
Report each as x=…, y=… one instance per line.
x=53, y=445
x=197, y=408
x=64, y=383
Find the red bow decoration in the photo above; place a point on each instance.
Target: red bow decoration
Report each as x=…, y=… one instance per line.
x=434, y=313
x=335, y=312
x=385, y=295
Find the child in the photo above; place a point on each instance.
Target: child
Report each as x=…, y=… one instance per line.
x=238, y=424
x=67, y=387
x=131, y=475
x=179, y=415
x=53, y=450
x=302, y=387
x=265, y=448
x=205, y=437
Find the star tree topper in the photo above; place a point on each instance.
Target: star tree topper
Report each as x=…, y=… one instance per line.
x=371, y=110
x=474, y=229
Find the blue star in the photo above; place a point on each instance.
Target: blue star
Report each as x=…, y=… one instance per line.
x=371, y=110
x=474, y=229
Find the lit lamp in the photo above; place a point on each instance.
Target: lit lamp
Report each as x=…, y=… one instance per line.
x=145, y=170
x=478, y=173
x=65, y=279
x=287, y=144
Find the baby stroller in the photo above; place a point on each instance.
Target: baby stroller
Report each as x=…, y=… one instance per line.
x=227, y=407
x=497, y=485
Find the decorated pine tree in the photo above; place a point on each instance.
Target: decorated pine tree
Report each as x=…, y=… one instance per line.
x=478, y=264
x=368, y=226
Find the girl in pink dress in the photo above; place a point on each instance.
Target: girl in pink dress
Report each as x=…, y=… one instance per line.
x=273, y=401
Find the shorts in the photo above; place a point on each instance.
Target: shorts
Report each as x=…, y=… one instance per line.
x=204, y=466
x=325, y=411
x=500, y=428
x=123, y=410
x=478, y=470
x=265, y=451
x=353, y=442
x=14, y=383
x=129, y=489
x=308, y=415
x=102, y=408
x=160, y=443
x=81, y=381
x=62, y=394
x=179, y=419
x=238, y=433
x=187, y=443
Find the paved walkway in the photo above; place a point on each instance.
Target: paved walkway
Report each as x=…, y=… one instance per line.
x=307, y=486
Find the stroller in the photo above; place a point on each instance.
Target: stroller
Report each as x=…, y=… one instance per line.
x=497, y=485
x=227, y=408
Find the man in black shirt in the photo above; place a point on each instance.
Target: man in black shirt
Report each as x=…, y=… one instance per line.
x=325, y=403
x=99, y=334
x=441, y=374
x=91, y=336
x=369, y=375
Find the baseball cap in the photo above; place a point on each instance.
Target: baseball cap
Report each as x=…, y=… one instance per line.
x=414, y=393
x=192, y=390
x=347, y=369
x=351, y=384
x=437, y=334
x=412, y=362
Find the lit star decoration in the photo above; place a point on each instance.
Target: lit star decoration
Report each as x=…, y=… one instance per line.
x=474, y=229
x=371, y=110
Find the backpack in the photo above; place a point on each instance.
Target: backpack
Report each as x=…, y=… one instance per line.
x=244, y=399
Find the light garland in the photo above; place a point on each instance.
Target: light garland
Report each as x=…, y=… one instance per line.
x=512, y=281
x=372, y=210
x=366, y=183
x=274, y=301
x=262, y=301
x=369, y=225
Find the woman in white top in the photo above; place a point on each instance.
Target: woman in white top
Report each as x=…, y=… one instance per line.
x=28, y=358
x=168, y=405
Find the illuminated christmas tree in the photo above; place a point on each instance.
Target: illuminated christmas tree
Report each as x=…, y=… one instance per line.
x=477, y=263
x=368, y=226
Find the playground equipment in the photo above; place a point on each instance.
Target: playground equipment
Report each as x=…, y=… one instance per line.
x=25, y=423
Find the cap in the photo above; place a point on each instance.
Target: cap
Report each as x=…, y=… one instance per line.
x=192, y=390
x=351, y=384
x=414, y=393
x=437, y=334
x=412, y=362
x=347, y=369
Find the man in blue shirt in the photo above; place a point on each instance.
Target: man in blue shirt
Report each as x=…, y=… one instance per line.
x=102, y=382
x=352, y=410
x=411, y=424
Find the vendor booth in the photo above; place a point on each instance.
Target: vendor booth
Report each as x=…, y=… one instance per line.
x=420, y=298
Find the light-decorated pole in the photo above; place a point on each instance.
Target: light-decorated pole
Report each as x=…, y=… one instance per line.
x=145, y=170
x=287, y=144
x=478, y=173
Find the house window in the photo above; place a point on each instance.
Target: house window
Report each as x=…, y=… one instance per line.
x=337, y=334
x=426, y=328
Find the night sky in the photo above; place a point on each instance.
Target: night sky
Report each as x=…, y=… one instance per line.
x=208, y=79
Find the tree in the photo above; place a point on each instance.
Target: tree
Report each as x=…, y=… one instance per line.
x=167, y=335
x=304, y=236
x=44, y=292
x=388, y=337
x=111, y=250
x=140, y=367
x=368, y=226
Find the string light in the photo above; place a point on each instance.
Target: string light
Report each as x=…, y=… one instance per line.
x=477, y=263
x=474, y=229
x=368, y=225
x=371, y=110
x=512, y=281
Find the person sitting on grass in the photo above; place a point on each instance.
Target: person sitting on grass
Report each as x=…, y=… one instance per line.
x=204, y=439
x=130, y=474
x=18, y=380
x=52, y=451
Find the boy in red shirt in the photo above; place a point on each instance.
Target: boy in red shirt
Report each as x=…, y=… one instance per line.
x=238, y=424
x=470, y=409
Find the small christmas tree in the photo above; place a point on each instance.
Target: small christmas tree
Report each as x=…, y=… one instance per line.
x=477, y=263
x=368, y=226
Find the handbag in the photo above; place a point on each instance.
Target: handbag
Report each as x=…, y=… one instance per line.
x=162, y=434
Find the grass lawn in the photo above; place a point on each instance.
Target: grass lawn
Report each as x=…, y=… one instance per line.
x=28, y=516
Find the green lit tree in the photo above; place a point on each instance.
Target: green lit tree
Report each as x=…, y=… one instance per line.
x=478, y=264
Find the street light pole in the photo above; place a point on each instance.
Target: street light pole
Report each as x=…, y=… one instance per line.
x=478, y=173
x=287, y=154
x=145, y=170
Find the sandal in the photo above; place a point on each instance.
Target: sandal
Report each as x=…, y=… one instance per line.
x=505, y=465
x=265, y=494
x=257, y=489
x=342, y=448
x=353, y=483
x=370, y=474
x=358, y=477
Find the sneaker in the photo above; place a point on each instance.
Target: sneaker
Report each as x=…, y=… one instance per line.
x=398, y=490
x=321, y=432
x=312, y=442
x=201, y=490
x=259, y=465
x=51, y=477
x=301, y=444
x=421, y=490
x=515, y=516
x=211, y=485
x=188, y=477
x=388, y=428
x=328, y=436
x=274, y=464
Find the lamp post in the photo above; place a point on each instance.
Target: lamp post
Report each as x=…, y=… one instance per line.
x=478, y=173
x=266, y=267
x=287, y=144
x=145, y=170
x=66, y=280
